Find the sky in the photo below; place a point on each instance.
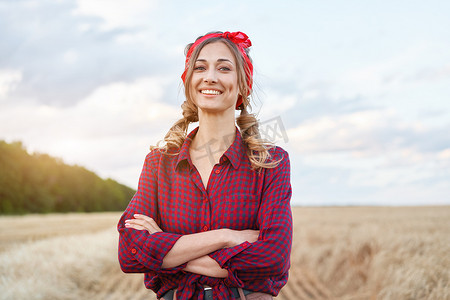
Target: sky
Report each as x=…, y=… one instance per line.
x=358, y=92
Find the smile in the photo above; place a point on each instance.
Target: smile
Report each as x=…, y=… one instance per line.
x=211, y=92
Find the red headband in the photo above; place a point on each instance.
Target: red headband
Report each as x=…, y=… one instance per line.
x=242, y=42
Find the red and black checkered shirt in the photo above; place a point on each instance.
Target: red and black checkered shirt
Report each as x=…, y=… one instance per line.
x=237, y=197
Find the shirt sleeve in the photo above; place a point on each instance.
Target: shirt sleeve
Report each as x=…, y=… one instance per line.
x=139, y=251
x=270, y=255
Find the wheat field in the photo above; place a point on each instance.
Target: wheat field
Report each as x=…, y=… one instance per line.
x=338, y=253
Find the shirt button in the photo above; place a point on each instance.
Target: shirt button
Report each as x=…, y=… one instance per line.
x=204, y=228
x=217, y=171
x=133, y=251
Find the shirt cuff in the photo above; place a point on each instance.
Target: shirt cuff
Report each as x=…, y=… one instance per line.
x=223, y=255
x=148, y=251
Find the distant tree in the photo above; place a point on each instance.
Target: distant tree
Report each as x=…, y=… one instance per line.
x=39, y=183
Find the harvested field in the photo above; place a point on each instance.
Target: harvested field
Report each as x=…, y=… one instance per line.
x=338, y=253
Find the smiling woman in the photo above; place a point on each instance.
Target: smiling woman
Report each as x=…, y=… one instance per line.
x=212, y=217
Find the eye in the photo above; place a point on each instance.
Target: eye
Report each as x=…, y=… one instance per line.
x=199, y=68
x=224, y=69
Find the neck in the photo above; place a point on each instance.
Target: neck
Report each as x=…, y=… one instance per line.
x=216, y=132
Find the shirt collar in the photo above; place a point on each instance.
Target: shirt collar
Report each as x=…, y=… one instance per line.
x=235, y=153
x=184, y=156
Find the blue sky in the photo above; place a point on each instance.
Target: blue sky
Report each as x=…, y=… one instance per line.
x=362, y=88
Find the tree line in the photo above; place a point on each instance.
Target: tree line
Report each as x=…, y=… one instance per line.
x=39, y=183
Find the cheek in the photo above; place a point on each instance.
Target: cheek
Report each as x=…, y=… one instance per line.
x=195, y=80
x=192, y=86
x=234, y=86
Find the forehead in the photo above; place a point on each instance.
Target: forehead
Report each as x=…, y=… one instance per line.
x=215, y=51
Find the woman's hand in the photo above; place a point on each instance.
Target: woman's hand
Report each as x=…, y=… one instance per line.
x=141, y=222
x=237, y=237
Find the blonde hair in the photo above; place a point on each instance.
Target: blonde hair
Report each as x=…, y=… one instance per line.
x=257, y=148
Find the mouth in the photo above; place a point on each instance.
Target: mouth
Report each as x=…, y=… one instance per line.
x=210, y=92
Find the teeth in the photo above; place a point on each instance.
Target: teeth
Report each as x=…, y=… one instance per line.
x=211, y=92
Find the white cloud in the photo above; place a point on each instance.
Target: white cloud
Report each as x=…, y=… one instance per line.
x=275, y=104
x=378, y=77
x=9, y=79
x=70, y=57
x=117, y=13
x=376, y=147
x=445, y=154
x=134, y=103
x=354, y=132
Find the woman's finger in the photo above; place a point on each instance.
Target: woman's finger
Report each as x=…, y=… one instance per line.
x=138, y=222
x=143, y=222
x=149, y=220
x=135, y=226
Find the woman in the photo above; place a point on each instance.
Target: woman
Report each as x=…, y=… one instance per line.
x=211, y=218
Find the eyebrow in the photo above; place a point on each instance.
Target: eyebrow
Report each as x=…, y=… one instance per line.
x=219, y=60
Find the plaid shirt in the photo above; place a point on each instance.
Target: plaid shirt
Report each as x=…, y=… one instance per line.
x=172, y=193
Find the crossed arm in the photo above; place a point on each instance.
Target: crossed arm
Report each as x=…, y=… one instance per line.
x=194, y=248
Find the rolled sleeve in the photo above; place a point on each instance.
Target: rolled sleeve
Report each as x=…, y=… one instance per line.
x=222, y=256
x=140, y=251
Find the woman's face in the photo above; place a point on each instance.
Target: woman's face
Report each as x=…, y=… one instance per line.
x=214, y=82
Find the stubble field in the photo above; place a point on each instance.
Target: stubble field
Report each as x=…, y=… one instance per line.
x=338, y=253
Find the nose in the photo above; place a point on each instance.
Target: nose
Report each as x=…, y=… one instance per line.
x=210, y=76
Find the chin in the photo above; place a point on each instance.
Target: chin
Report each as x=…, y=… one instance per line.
x=216, y=108
x=213, y=107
